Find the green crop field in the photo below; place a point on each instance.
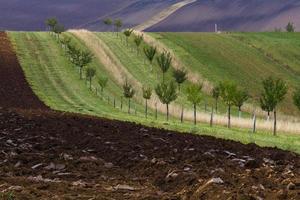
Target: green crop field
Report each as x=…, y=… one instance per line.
x=56, y=81
x=246, y=58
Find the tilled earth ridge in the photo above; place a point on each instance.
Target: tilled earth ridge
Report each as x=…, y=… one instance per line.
x=54, y=155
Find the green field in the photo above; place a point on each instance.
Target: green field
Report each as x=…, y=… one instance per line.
x=246, y=58
x=56, y=81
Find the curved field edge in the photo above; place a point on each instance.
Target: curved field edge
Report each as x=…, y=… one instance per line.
x=54, y=80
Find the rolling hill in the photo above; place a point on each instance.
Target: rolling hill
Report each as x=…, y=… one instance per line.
x=232, y=15
x=201, y=15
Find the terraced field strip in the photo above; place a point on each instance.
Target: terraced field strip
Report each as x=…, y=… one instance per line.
x=163, y=15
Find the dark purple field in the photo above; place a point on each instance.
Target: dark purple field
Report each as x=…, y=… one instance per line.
x=230, y=15
x=233, y=15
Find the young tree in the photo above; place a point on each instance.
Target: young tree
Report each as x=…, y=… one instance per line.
x=51, y=23
x=84, y=58
x=102, y=81
x=216, y=95
x=127, y=34
x=58, y=29
x=273, y=93
x=118, y=24
x=150, y=53
x=138, y=41
x=290, y=27
x=108, y=22
x=227, y=92
x=164, y=61
x=147, y=93
x=128, y=93
x=194, y=96
x=180, y=75
x=166, y=93
x=296, y=98
x=90, y=73
x=240, y=98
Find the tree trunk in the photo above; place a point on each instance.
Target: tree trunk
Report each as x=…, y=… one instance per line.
x=240, y=112
x=205, y=106
x=179, y=87
x=80, y=71
x=216, y=105
x=254, y=124
x=181, y=117
x=229, y=116
x=114, y=102
x=146, y=109
x=167, y=112
x=275, y=123
x=128, y=105
x=121, y=103
x=268, y=117
x=155, y=110
x=90, y=83
x=195, y=114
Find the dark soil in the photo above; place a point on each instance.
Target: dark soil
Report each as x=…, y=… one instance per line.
x=52, y=155
x=14, y=90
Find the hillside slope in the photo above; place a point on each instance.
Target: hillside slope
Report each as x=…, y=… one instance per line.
x=246, y=58
x=47, y=154
x=232, y=15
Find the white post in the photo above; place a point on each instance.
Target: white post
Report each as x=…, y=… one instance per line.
x=216, y=28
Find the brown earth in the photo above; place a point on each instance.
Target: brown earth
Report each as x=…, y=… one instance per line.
x=14, y=90
x=53, y=155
